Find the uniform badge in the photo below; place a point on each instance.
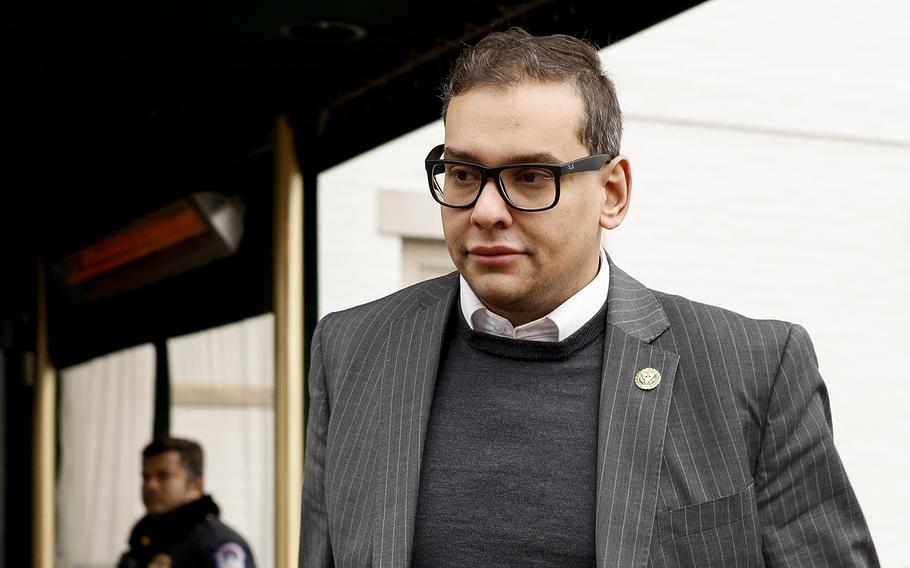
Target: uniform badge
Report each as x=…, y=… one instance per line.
x=230, y=555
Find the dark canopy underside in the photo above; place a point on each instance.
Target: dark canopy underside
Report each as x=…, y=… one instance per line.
x=118, y=108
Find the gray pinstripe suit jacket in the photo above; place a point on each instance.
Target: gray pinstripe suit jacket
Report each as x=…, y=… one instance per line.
x=728, y=462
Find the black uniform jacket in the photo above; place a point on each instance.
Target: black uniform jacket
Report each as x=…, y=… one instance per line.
x=190, y=536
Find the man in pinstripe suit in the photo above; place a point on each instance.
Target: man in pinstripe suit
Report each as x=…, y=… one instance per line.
x=542, y=408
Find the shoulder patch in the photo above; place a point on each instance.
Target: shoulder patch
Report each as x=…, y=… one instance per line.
x=230, y=555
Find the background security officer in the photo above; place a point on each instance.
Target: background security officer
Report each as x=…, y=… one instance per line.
x=181, y=527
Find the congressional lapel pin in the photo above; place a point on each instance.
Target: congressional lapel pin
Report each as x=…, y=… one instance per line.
x=647, y=378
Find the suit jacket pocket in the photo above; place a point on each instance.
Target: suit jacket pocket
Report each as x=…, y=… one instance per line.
x=708, y=515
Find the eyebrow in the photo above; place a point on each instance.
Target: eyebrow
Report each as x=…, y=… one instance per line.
x=533, y=158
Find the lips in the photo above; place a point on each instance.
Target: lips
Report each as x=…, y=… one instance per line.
x=494, y=255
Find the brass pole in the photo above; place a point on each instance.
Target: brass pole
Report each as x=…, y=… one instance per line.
x=289, y=346
x=44, y=428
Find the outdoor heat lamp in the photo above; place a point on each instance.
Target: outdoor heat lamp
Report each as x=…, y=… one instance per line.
x=179, y=237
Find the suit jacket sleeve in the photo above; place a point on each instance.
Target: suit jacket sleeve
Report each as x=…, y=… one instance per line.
x=315, y=546
x=809, y=513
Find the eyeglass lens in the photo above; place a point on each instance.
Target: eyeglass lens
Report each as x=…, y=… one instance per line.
x=527, y=187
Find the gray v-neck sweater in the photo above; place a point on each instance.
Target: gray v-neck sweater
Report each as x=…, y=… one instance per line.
x=508, y=476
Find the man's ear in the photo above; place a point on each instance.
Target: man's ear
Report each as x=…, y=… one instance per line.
x=617, y=185
x=197, y=485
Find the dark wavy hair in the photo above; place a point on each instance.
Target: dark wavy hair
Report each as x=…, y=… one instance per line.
x=515, y=56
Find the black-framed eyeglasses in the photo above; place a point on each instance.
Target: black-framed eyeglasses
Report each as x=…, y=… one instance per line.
x=526, y=187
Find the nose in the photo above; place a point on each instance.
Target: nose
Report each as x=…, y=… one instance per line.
x=490, y=210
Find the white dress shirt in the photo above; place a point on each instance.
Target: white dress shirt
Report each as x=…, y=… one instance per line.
x=557, y=325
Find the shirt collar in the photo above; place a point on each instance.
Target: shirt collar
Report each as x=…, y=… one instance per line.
x=559, y=324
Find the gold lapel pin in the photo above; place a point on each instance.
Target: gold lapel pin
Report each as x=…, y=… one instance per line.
x=647, y=378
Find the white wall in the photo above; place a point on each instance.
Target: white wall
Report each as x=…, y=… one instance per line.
x=770, y=148
x=358, y=262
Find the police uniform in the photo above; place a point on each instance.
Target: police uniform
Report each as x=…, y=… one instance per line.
x=189, y=536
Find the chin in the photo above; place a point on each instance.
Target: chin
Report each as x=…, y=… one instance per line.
x=499, y=290
x=154, y=507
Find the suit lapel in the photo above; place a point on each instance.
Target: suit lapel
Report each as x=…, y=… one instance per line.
x=632, y=424
x=406, y=393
